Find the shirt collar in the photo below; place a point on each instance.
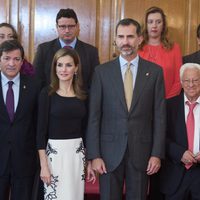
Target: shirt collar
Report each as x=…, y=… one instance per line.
x=187, y=100
x=123, y=62
x=72, y=44
x=5, y=80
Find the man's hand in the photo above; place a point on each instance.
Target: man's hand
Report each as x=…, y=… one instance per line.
x=153, y=165
x=188, y=158
x=197, y=157
x=98, y=166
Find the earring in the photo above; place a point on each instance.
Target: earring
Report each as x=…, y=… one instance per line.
x=75, y=75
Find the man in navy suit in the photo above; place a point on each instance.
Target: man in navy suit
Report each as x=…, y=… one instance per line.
x=194, y=57
x=126, y=127
x=180, y=173
x=18, y=105
x=68, y=29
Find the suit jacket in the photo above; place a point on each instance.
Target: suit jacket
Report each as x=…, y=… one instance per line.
x=111, y=127
x=192, y=58
x=46, y=51
x=18, y=138
x=172, y=170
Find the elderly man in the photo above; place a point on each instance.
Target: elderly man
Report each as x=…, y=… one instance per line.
x=180, y=174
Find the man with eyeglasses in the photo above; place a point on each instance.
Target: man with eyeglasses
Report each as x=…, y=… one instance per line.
x=180, y=173
x=18, y=106
x=68, y=29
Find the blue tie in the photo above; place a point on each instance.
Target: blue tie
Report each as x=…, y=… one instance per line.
x=10, y=101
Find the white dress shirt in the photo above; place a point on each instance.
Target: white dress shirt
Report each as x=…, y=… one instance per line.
x=196, y=112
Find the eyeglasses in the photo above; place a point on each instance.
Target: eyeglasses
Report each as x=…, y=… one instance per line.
x=188, y=82
x=69, y=27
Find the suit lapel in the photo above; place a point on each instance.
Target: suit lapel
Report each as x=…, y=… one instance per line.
x=54, y=47
x=4, y=111
x=198, y=56
x=78, y=45
x=81, y=51
x=117, y=82
x=181, y=126
x=143, y=74
x=57, y=46
x=22, y=95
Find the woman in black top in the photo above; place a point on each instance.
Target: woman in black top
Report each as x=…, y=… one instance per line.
x=61, y=123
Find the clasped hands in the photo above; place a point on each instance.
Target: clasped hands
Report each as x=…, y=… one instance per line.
x=190, y=158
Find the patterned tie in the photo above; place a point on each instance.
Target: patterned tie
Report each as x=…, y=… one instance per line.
x=128, y=85
x=10, y=101
x=190, y=123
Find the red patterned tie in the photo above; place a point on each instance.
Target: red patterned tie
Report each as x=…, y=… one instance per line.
x=190, y=128
x=10, y=101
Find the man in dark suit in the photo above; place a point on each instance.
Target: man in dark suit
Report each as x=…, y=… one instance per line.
x=126, y=128
x=18, y=100
x=180, y=173
x=194, y=57
x=68, y=28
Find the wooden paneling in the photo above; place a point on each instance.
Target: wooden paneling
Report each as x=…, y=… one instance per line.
x=4, y=5
x=192, y=19
x=25, y=26
x=35, y=20
x=14, y=13
x=103, y=32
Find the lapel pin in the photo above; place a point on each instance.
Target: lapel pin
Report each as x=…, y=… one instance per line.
x=147, y=74
x=24, y=87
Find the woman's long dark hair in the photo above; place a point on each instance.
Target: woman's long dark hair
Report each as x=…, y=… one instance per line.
x=77, y=82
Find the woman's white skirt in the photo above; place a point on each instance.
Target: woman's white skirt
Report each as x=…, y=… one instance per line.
x=66, y=160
